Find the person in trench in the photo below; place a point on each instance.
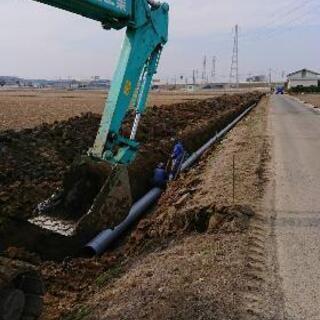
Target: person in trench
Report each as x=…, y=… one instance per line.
x=177, y=158
x=160, y=176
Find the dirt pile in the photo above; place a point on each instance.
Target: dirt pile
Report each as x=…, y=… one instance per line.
x=34, y=161
x=174, y=217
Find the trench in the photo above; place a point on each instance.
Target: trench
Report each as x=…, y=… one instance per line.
x=195, y=125
x=108, y=237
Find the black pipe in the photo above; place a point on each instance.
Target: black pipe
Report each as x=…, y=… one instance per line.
x=107, y=237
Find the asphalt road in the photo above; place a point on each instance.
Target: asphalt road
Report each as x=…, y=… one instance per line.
x=296, y=200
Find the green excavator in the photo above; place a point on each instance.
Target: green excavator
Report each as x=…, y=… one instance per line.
x=98, y=183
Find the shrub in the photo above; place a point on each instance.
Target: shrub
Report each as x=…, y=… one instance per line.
x=302, y=89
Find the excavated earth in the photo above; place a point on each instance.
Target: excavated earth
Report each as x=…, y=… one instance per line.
x=193, y=257
x=34, y=161
x=130, y=283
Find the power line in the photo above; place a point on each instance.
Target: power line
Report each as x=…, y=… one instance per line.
x=288, y=13
x=281, y=23
x=290, y=25
x=280, y=28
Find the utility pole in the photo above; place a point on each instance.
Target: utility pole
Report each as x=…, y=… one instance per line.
x=234, y=72
x=250, y=78
x=213, y=71
x=270, y=77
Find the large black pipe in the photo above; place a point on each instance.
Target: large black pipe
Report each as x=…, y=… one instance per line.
x=107, y=237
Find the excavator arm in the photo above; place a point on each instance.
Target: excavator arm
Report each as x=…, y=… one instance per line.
x=98, y=186
x=147, y=33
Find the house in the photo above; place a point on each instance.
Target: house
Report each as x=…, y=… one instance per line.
x=304, y=78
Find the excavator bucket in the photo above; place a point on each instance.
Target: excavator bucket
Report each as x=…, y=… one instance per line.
x=95, y=195
x=111, y=205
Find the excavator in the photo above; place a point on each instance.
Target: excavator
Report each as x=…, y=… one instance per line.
x=98, y=183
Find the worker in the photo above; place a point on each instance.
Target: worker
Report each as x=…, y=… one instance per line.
x=177, y=157
x=160, y=176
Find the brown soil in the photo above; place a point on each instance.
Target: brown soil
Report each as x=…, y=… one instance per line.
x=34, y=161
x=190, y=258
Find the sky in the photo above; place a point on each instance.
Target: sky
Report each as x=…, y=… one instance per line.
x=38, y=41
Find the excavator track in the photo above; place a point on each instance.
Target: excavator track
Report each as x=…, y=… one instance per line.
x=21, y=290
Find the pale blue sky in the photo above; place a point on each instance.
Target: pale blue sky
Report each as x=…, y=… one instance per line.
x=38, y=41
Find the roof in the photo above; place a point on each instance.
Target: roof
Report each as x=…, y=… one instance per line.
x=304, y=70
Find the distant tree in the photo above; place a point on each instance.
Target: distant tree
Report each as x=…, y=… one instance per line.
x=2, y=83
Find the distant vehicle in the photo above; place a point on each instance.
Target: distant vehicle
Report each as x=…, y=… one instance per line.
x=280, y=90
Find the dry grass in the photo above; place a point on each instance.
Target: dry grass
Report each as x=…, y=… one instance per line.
x=314, y=99
x=187, y=281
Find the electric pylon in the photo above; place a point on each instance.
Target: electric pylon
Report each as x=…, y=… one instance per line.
x=234, y=72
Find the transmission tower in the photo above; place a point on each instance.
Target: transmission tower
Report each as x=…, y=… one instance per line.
x=213, y=71
x=204, y=70
x=234, y=73
x=194, y=79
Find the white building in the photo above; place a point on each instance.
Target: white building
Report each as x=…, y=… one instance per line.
x=304, y=78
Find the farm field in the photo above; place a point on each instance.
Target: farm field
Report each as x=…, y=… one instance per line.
x=28, y=108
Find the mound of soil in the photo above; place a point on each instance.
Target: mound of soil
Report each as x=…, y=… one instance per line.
x=34, y=161
x=173, y=218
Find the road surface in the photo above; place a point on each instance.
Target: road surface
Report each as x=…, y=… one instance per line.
x=296, y=201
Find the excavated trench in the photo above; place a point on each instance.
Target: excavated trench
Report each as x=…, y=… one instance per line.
x=33, y=162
